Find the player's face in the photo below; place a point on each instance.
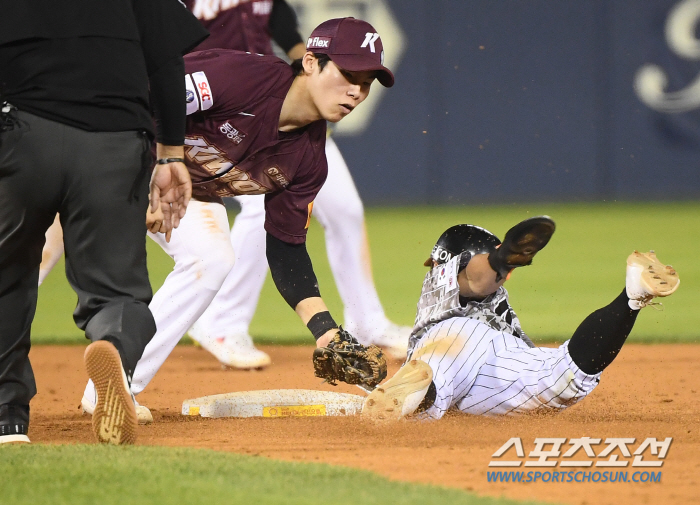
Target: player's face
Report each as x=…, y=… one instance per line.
x=336, y=91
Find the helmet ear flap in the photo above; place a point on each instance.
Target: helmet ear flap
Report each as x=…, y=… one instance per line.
x=462, y=238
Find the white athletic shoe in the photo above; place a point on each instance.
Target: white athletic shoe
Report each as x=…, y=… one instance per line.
x=236, y=351
x=143, y=413
x=648, y=278
x=401, y=395
x=394, y=340
x=114, y=417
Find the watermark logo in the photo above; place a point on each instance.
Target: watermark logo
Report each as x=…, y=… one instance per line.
x=549, y=452
x=583, y=453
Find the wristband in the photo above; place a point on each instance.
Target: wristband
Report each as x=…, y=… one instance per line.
x=320, y=323
x=165, y=161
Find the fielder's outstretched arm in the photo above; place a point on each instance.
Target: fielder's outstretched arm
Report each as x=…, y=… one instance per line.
x=293, y=274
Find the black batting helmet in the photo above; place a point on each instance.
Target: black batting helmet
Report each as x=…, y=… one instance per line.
x=461, y=238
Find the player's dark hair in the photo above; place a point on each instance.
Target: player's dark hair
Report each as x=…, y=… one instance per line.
x=298, y=67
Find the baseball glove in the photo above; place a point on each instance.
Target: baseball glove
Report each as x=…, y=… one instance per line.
x=346, y=360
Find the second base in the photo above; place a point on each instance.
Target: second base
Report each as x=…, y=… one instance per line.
x=274, y=403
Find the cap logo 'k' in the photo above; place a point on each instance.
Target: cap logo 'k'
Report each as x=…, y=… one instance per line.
x=370, y=38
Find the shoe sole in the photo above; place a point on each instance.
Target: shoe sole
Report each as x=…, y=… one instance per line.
x=143, y=413
x=225, y=366
x=657, y=278
x=114, y=420
x=386, y=402
x=526, y=239
x=258, y=364
x=14, y=439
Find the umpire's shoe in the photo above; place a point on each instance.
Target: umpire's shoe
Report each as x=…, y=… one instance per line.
x=14, y=424
x=520, y=245
x=143, y=413
x=648, y=278
x=401, y=395
x=114, y=420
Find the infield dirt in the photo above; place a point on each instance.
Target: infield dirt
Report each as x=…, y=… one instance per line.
x=649, y=391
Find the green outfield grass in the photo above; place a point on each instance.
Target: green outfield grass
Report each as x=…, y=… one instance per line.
x=89, y=474
x=582, y=269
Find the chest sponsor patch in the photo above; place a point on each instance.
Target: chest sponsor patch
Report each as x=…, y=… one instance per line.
x=232, y=133
x=277, y=176
x=206, y=97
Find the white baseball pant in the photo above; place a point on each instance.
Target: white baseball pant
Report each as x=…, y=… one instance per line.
x=201, y=248
x=482, y=371
x=53, y=249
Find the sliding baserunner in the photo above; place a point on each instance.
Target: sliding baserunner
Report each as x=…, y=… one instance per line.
x=468, y=351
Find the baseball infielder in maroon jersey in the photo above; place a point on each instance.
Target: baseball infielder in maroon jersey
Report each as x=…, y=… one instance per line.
x=257, y=125
x=223, y=328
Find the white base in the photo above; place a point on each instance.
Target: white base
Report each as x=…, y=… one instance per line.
x=274, y=403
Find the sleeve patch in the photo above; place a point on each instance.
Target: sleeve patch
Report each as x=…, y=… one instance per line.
x=191, y=96
x=206, y=98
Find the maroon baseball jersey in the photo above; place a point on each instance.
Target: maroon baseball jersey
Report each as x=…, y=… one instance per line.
x=233, y=145
x=235, y=24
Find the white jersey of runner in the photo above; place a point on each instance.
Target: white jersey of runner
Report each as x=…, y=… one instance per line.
x=482, y=361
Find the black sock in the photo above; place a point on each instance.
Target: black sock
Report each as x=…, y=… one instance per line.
x=599, y=338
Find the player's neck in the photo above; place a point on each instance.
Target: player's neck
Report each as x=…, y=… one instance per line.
x=298, y=109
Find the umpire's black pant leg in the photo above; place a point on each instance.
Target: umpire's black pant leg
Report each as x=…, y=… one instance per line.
x=30, y=181
x=104, y=233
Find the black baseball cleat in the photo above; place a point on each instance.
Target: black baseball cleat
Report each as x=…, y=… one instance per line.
x=520, y=245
